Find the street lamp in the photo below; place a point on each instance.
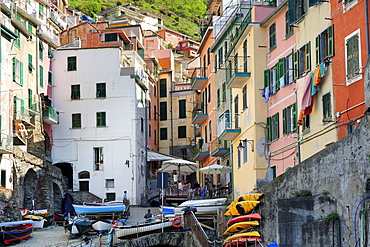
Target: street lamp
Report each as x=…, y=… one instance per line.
x=240, y=146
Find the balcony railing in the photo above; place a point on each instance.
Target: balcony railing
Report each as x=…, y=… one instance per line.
x=199, y=78
x=227, y=129
x=201, y=150
x=50, y=115
x=199, y=113
x=237, y=71
x=220, y=147
x=6, y=144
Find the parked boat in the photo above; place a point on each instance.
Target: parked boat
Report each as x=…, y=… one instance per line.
x=242, y=218
x=102, y=225
x=15, y=231
x=242, y=207
x=93, y=209
x=241, y=226
x=241, y=242
x=203, y=207
x=123, y=231
x=78, y=226
x=38, y=221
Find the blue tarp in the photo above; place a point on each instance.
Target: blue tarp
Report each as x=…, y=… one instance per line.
x=85, y=18
x=67, y=202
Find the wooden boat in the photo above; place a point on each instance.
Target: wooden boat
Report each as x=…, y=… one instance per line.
x=157, y=224
x=242, y=218
x=246, y=197
x=203, y=207
x=241, y=226
x=38, y=221
x=102, y=225
x=93, y=209
x=243, y=242
x=14, y=233
x=242, y=235
x=78, y=226
x=242, y=208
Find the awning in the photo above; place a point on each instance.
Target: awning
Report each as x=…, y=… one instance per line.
x=155, y=156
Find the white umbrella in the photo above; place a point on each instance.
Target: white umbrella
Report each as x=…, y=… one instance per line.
x=215, y=169
x=180, y=165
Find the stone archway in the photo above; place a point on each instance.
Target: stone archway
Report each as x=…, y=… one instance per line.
x=58, y=197
x=67, y=172
x=30, y=188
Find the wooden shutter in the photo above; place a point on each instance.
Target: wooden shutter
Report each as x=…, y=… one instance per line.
x=21, y=73
x=14, y=69
x=294, y=109
x=266, y=78
x=268, y=129
x=295, y=65
x=317, y=50
x=308, y=56
x=284, y=121
x=277, y=126
x=312, y=2
x=291, y=11
x=331, y=41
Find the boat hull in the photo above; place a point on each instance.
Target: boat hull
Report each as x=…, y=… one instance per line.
x=92, y=209
x=123, y=231
x=102, y=226
x=242, y=218
x=17, y=233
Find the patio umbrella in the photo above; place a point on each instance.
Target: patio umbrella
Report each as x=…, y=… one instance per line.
x=180, y=165
x=215, y=169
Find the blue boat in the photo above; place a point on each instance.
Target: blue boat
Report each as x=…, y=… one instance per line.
x=103, y=209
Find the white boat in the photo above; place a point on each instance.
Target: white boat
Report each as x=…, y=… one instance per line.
x=122, y=231
x=203, y=207
x=102, y=225
x=90, y=209
x=16, y=223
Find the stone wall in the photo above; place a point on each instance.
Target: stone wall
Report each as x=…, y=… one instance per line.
x=80, y=197
x=338, y=177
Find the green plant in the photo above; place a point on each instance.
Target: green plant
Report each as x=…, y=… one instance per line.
x=332, y=216
x=325, y=192
x=302, y=193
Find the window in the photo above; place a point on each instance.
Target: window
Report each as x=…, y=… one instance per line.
x=326, y=104
x=163, y=111
x=41, y=50
x=273, y=171
x=17, y=41
x=41, y=76
x=84, y=175
x=3, y=178
x=220, y=57
x=210, y=130
x=289, y=69
x=273, y=128
x=272, y=36
x=72, y=63
x=209, y=56
x=245, y=53
x=84, y=185
x=76, y=120
x=348, y=4
x=109, y=37
x=239, y=159
x=209, y=93
x=110, y=197
x=290, y=119
x=142, y=124
x=245, y=152
x=75, y=91
x=155, y=137
x=205, y=134
x=245, y=103
x=218, y=98
x=17, y=71
x=100, y=90
x=50, y=78
x=302, y=60
x=163, y=134
x=155, y=112
x=109, y=183
x=50, y=51
x=224, y=92
x=41, y=11
x=297, y=9
x=163, y=88
x=351, y=127
x=306, y=124
x=216, y=63
x=182, y=108
x=353, y=56
x=324, y=45
x=30, y=98
x=182, y=132
x=100, y=119
x=149, y=109
x=288, y=28
x=236, y=111
x=98, y=159
x=150, y=130
x=30, y=63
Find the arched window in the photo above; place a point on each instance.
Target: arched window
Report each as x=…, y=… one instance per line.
x=84, y=174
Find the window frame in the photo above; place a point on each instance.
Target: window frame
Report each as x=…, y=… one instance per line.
x=181, y=132
x=101, y=90
x=76, y=120
x=101, y=119
x=72, y=63
x=356, y=76
x=272, y=36
x=75, y=92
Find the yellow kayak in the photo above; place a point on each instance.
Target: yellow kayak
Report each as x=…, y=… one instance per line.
x=33, y=217
x=246, y=197
x=242, y=235
x=241, y=226
x=242, y=208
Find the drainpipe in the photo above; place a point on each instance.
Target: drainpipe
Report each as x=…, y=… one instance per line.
x=231, y=151
x=171, y=115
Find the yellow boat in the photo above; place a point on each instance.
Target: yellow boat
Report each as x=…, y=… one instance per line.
x=242, y=208
x=246, y=197
x=242, y=235
x=33, y=217
x=241, y=226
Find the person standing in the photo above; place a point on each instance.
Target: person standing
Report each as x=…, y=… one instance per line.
x=148, y=215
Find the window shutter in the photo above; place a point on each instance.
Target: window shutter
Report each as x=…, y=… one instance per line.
x=277, y=77
x=41, y=76
x=22, y=105
x=268, y=129
x=266, y=78
x=30, y=100
x=200, y=143
x=355, y=58
x=224, y=92
x=317, y=50
x=218, y=97
x=276, y=126
x=14, y=69
x=294, y=106
x=331, y=41
x=312, y=2
x=21, y=73
x=284, y=121
x=308, y=56
x=295, y=64
x=291, y=11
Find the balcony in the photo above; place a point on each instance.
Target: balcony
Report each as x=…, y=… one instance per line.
x=237, y=72
x=199, y=113
x=20, y=133
x=201, y=150
x=199, y=79
x=226, y=130
x=219, y=148
x=50, y=115
x=6, y=144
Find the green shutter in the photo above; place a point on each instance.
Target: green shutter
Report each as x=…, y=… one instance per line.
x=312, y=2
x=22, y=106
x=218, y=97
x=317, y=50
x=291, y=11
x=284, y=121
x=308, y=56
x=224, y=92
x=41, y=76
x=268, y=129
x=14, y=69
x=294, y=106
x=21, y=73
x=295, y=65
x=276, y=126
x=331, y=41
x=266, y=78
x=277, y=84
x=282, y=67
x=30, y=101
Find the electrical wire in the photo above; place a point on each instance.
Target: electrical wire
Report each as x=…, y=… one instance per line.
x=354, y=220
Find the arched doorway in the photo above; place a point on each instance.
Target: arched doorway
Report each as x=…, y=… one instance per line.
x=67, y=172
x=57, y=198
x=30, y=188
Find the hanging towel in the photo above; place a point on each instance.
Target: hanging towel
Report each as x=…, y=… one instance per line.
x=300, y=118
x=282, y=81
x=317, y=76
x=314, y=88
x=307, y=97
x=267, y=94
x=322, y=69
